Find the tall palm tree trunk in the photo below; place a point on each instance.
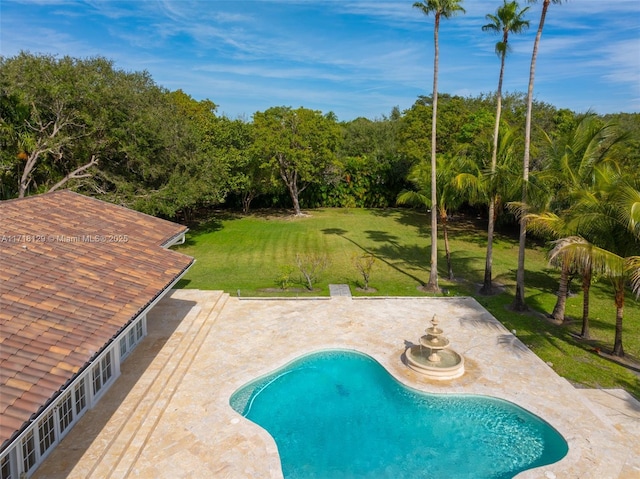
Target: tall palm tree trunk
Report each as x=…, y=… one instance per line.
x=447, y=250
x=439, y=8
x=563, y=292
x=618, y=350
x=432, y=285
x=508, y=18
x=519, y=301
x=586, y=286
x=487, y=285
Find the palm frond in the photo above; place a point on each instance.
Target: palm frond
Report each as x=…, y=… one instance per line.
x=633, y=268
x=579, y=252
x=545, y=223
x=627, y=199
x=413, y=198
x=518, y=209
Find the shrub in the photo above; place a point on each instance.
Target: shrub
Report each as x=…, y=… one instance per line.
x=364, y=264
x=311, y=266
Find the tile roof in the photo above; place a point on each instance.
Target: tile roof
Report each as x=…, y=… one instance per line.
x=74, y=271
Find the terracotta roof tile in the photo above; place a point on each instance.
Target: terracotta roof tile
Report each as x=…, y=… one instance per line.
x=70, y=282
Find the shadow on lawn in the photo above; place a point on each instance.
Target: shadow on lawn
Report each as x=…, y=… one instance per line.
x=385, y=254
x=407, y=217
x=545, y=281
x=210, y=224
x=182, y=284
x=573, y=323
x=382, y=237
x=563, y=336
x=472, y=266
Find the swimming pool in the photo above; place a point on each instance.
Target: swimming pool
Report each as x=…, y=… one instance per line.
x=340, y=414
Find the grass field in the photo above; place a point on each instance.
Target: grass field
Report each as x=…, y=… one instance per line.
x=250, y=256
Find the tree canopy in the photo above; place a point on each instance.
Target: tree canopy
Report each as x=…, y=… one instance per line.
x=300, y=144
x=84, y=124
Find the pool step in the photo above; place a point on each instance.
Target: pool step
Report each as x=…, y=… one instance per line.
x=127, y=447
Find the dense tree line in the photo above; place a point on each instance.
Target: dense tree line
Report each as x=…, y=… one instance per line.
x=86, y=125
x=83, y=124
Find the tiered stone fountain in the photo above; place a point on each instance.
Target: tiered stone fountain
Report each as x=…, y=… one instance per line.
x=433, y=358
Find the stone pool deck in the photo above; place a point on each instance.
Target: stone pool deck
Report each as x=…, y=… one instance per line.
x=168, y=415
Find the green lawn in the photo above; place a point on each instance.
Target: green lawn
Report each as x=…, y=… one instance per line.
x=247, y=255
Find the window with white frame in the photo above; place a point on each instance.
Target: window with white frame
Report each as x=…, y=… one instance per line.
x=132, y=337
x=5, y=467
x=80, y=397
x=28, y=451
x=96, y=378
x=46, y=432
x=101, y=373
x=123, y=348
x=139, y=331
x=65, y=412
x=105, y=367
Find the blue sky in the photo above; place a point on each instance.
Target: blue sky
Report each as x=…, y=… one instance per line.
x=355, y=58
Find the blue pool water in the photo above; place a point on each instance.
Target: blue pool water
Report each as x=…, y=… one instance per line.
x=340, y=414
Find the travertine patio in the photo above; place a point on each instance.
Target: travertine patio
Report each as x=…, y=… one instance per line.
x=168, y=415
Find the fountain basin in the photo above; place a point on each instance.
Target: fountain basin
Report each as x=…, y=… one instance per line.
x=450, y=366
x=434, y=342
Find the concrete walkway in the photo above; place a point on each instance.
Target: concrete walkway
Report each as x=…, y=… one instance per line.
x=339, y=290
x=168, y=415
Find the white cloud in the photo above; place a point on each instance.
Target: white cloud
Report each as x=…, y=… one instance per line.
x=354, y=55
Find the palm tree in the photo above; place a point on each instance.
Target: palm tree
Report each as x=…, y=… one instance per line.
x=446, y=9
x=571, y=162
x=480, y=184
x=519, y=303
x=448, y=195
x=618, y=268
x=612, y=217
x=568, y=268
x=508, y=19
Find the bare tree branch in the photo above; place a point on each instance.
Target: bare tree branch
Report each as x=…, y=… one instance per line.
x=77, y=173
x=51, y=137
x=25, y=179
